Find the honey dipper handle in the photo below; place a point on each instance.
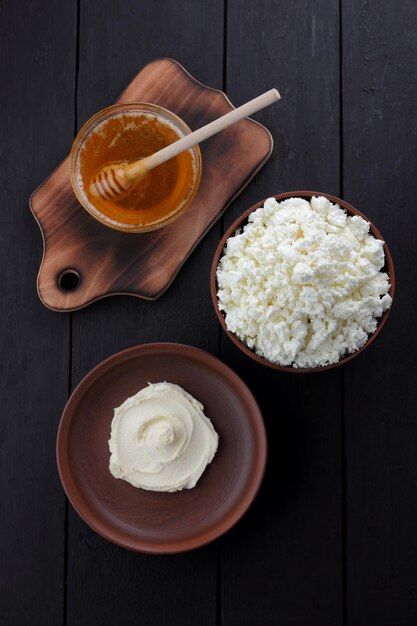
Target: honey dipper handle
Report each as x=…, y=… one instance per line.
x=262, y=101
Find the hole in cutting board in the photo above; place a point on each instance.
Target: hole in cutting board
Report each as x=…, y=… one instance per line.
x=68, y=280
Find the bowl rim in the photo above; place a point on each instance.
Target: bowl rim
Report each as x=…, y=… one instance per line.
x=240, y=222
x=102, y=115
x=81, y=503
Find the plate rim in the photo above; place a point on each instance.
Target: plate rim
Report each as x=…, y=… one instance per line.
x=81, y=504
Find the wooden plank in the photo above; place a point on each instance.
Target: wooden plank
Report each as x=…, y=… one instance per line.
x=380, y=148
x=37, y=72
x=283, y=563
x=108, y=585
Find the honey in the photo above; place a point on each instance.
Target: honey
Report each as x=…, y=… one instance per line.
x=128, y=135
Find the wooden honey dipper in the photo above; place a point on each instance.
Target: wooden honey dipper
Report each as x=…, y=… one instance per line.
x=116, y=180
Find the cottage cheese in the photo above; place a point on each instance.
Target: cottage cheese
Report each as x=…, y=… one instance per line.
x=301, y=283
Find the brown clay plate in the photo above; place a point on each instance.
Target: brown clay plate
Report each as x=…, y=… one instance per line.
x=161, y=522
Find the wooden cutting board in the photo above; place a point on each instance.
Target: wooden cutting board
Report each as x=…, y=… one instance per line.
x=106, y=262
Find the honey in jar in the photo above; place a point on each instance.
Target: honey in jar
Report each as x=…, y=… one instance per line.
x=126, y=133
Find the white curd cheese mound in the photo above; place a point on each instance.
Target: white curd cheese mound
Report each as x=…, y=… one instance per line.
x=301, y=283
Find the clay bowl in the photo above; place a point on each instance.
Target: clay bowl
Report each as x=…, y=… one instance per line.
x=149, y=521
x=241, y=221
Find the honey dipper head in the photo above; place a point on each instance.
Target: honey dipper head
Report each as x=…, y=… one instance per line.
x=111, y=183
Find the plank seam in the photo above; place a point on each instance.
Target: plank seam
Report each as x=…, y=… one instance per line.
x=70, y=334
x=219, y=586
x=222, y=219
x=341, y=120
x=343, y=379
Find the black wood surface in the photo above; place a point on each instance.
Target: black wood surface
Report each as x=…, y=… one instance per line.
x=331, y=538
x=380, y=161
x=285, y=557
x=188, y=583
x=37, y=46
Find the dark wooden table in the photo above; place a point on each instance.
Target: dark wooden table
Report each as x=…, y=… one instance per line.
x=332, y=540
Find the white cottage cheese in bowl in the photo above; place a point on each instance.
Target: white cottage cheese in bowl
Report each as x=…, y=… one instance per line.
x=301, y=285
